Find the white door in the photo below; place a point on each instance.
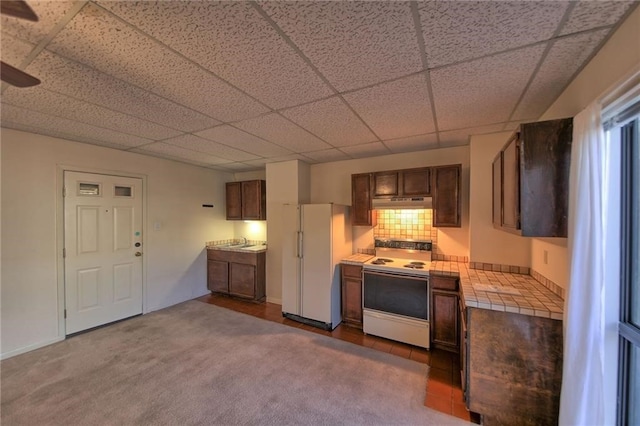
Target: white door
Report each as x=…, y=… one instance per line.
x=103, y=249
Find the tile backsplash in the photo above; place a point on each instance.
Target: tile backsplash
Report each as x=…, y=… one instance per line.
x=406, y=224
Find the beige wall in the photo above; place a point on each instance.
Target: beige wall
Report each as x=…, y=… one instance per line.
x=488, y=244
x=174, y=256
x=616, y=60
x=331, y=183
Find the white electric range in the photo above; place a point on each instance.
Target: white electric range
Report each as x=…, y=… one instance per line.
x=396, y=291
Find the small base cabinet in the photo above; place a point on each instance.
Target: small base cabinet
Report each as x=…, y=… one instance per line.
x=445, y=315
x=513, y=367
x=351, y=294
x=239, y=274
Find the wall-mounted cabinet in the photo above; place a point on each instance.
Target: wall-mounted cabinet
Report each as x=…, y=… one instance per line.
x=446, y=196
x=361, y=189
x=402, y=183
x=246, y=200
x=531, y=180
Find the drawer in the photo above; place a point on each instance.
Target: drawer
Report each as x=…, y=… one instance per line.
x=444, y=283
x=354, y=271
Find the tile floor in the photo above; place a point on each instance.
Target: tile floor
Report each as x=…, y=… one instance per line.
x=443, y=390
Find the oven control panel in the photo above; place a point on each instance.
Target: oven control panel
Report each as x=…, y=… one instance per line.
x=403, y=244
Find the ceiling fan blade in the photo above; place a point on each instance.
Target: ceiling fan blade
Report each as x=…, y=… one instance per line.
x=18, y=9
x=15, y=77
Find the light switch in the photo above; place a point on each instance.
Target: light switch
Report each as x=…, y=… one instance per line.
x=157, y=226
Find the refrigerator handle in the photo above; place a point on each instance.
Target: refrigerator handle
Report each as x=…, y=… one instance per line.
x=300, y=247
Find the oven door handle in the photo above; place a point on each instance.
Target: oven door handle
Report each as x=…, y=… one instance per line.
x=390, y=274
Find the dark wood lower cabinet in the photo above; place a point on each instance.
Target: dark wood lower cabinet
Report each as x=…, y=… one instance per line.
x=240, y=274
x=351, y=294
x=445, y=315
x=514, y=367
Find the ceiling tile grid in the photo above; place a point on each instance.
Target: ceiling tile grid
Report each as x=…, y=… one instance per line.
x=346, y=128
x=353, y=44
x=199, y=144
x=24, y=119
x=240, y=46
x=235, y=85
x=482, y=91
x=237, y=138
x=455, y=31
x=101, y=41
x=563, y=60
x=395, y=109
x=282, y=132
x=87, y=84
x=56, y=104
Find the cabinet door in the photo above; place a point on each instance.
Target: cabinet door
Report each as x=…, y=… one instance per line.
x=218, y=276
x=497, y=191
x=242, y=280
x=352, y=294
x=385, y=184
x=416, y=182
x=361, y=213
x=446, y=200
x=444, y=320
x=234, y=200
x=253, y=200
x=511, y=185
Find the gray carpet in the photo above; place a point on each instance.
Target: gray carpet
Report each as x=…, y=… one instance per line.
x=195, y=363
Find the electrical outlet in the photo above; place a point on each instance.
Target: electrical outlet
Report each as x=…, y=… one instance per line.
x=545, y=257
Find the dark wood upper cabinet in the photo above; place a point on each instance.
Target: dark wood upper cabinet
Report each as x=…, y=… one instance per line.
x=361, y=189
x=534, y=200
x=402, y=183
x=446, y=195
x=386, y=184
x=246, y=200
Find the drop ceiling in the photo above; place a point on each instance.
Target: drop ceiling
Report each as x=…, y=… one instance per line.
x=235, y=85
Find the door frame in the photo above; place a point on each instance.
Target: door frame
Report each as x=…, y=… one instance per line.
x=59, y=217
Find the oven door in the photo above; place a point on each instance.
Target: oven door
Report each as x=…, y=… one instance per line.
x=396, y=294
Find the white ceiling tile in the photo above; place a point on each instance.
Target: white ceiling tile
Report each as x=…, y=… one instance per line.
x=483, y=91
x=55, y=104
x=13, y=116
x=166, y=150
x=196, y=143
x=353, y=44
x=455, y=31
x=461, y=137
x=14, y=50
x=592, y=14
x=512, y=125
x=366, y=150
x=345, y=127
x=236, y=167
x=100, y=41
x=231, y=136
x=412, y=143
x=276, y=129
x=49, y=14
x=396, y=109
x=80, y=82
x=564, y=59
x=326, y=155
x=241, y=47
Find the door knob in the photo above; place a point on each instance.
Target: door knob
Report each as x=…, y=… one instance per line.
x=138, y=254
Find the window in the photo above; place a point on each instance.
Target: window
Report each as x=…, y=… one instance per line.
x=629, y=328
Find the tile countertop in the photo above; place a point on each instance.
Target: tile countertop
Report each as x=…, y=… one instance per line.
x=502, y=291
x=357, y=259
x=258, y=248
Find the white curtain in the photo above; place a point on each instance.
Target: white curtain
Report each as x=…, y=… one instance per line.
x=582, y=396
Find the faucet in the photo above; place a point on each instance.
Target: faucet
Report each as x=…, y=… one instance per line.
x=244, y=240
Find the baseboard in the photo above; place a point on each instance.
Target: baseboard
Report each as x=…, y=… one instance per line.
x=30, y=348
x=274, y=300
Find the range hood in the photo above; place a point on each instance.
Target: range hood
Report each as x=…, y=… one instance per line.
x=402, y=203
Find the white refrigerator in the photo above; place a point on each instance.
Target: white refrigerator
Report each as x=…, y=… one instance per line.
x=316, y=237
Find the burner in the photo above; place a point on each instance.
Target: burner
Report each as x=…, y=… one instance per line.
x=414, y=265
x=417, y=263
x=381, y=261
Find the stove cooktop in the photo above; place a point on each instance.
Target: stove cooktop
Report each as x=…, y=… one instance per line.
x=398, y=265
